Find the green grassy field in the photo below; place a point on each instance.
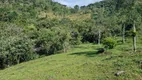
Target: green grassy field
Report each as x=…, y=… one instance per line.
x=80, y=63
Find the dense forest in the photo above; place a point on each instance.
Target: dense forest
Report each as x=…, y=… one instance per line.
x=30, y=29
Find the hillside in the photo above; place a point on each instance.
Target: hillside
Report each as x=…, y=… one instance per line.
x=45, y=40
x=80, y=63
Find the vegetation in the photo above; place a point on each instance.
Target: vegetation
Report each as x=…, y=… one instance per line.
x=109, y=43
x=80, y=63
x=31, y=29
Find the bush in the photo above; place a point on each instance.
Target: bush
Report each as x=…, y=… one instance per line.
x=15, y=47
x=53, y=40
x=109, y=43
x=15, y=50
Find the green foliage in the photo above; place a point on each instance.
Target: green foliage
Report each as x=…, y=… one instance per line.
x=43, y=27
x=15, y=50
x=131, y=33
x=134, y=33
x=76, y=7
x=76, y=38
x=53, y=40
x=109, y=43
x=12, y=16
x=15, y=47
x=30, y=28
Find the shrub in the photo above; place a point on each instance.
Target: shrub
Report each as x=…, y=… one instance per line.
x=16, y=47
x=15, y=50
x=53, y=40
x=109, y=43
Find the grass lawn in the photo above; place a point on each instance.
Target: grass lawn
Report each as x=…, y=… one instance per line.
x=80, y=63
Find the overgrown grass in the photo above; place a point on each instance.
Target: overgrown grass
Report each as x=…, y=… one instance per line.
x=80, y=63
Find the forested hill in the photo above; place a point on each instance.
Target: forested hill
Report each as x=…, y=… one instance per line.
x=29, y=9
x=30, y=29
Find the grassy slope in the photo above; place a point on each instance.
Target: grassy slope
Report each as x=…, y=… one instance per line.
x=80, y=63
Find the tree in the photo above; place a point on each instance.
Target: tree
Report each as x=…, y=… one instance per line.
x=98, y=16
x=133, y=18
x=134, y=38
x=122, y=21
x=16, y=47
x=76, y=7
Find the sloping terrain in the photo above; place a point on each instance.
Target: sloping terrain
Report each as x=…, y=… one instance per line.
x=80, y=63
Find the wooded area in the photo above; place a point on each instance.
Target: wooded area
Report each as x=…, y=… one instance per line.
x=30, y=29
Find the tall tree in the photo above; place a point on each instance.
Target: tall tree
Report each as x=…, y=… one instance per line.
x=76, y=7
x=122, y=21
x=98, y=16
x=133, y=18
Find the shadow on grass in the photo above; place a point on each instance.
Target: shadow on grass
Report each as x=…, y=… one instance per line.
x=87, y=53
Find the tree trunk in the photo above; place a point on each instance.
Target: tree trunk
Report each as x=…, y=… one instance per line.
x=64, y=48
x=123, y=33
x=99, y=37
x=134, y=38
